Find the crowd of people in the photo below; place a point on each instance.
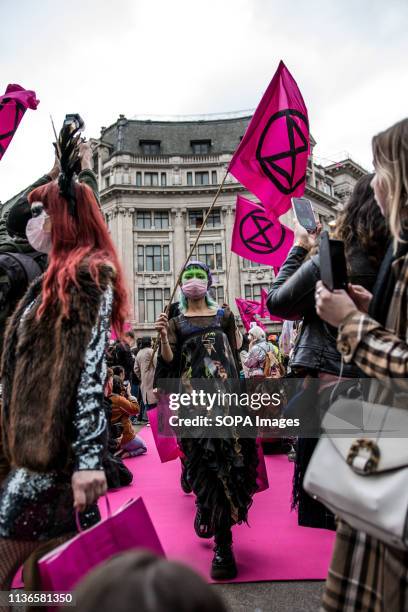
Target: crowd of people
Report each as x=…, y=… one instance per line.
x=90, y=395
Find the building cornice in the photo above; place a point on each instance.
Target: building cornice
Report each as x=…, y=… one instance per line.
x=346, y=166
x=114, y=190
x=320, y=196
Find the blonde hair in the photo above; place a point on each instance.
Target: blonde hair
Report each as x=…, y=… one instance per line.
x=390, y=151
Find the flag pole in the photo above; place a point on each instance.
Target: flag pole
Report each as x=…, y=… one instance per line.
x=56, y=139
x=228, y=275
x=167, y=308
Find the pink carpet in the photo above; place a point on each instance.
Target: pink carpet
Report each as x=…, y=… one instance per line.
x=272, y=548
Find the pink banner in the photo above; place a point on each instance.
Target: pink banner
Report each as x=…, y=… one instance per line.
x=126, y=327
x=249, y=311
x=264, y=309
x=259, y=236
x=272, y=157
x=13, y=105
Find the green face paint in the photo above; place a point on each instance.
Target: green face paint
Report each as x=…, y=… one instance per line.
x=194, y=272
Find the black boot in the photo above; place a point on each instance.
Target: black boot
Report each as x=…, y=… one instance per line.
x=185, y=485
x=223, y=566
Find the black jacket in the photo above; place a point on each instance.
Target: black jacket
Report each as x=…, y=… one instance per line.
x=292, y=298
x=124, y=357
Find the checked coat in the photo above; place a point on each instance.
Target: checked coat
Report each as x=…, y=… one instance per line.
x=366, y=574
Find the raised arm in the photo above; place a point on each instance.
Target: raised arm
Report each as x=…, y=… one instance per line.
x=292, y=294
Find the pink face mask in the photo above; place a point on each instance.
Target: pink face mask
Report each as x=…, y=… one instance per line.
x=194, y=288
x=39, y=239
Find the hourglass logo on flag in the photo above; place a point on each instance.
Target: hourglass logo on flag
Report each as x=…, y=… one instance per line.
x=271, y=159
x=259, y=236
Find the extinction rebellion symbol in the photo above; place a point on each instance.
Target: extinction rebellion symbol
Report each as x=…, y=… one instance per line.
x=261, y=235
x=282, y=167
x=10, y=129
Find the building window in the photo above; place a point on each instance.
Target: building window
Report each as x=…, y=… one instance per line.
x=138, y=179
x=189, y=178
x=161, y=219
x=150, y=147
x=214, y=179
x=153, y=258
x=107, y=181
x=246, y=263
x=151, y=179
x=201, y=147
x=210, y=254
x=146, y=219
x=202, y=178
x=163, y=179
x=196, y=218
x=143, y=219
x=217, y=294
x=214, y=219
x=151, y=303
x=95, y=160
x=253, y=292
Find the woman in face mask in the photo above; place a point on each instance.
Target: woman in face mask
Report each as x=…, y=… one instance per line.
x=52, y=416
x=200, y=343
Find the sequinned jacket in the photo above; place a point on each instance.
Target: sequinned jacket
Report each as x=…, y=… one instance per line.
x=53, y=370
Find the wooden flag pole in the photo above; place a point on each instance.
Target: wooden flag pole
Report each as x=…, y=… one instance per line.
x=228, y=275
x=166, y=310
x=56, y=139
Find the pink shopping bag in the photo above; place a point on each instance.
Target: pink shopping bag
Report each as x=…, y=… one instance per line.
x=128, y=528
x=164, y=437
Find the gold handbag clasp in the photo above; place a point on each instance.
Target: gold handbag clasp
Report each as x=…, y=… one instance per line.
x=364, y=456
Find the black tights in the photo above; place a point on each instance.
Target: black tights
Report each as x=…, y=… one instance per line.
x=12, y=554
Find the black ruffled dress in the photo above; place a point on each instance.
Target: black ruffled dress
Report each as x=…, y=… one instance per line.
x=221, y=470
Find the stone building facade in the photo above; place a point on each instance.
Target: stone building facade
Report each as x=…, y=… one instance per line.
x=157, y=178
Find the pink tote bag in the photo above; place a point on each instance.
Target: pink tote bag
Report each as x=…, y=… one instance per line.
x=128, y=528
x=164, y=437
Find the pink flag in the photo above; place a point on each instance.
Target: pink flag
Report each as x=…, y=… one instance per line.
x=249, y=311
x=264, y=309
x=13, y=105
x=126, y=327
x=272, y=157
x=259, y=236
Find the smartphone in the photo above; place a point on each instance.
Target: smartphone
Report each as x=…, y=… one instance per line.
x=302, y=207
x=333, y=268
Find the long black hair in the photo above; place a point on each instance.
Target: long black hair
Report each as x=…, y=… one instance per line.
x=362, y=223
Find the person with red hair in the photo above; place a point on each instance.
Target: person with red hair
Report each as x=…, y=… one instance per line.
x=53, y=422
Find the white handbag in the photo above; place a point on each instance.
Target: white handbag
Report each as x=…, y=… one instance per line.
x=362, y=477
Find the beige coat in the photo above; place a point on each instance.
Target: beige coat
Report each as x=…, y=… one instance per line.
x=146, y=374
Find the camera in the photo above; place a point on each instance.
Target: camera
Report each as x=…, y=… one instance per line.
x=75, y=120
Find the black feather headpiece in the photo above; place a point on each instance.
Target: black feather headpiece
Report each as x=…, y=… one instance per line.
x=68, y=149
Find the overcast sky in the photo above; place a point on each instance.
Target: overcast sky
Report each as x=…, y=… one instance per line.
x=105, y=57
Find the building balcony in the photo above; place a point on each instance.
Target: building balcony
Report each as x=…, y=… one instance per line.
x=128, y=159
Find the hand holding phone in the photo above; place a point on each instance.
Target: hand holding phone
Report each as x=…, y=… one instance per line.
x=333, y=268
x=303, y=211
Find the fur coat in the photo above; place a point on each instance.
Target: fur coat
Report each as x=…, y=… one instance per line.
x=41, y=367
